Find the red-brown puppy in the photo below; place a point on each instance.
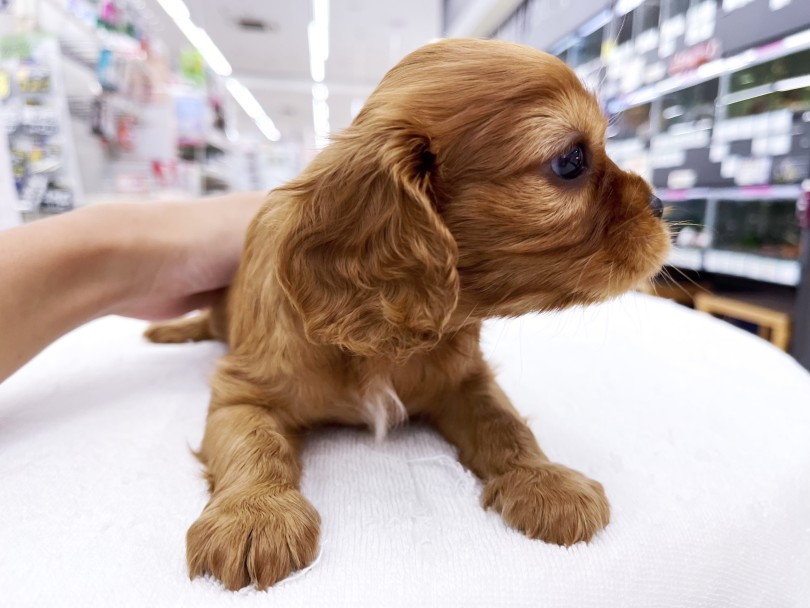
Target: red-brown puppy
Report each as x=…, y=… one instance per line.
x=474, y=183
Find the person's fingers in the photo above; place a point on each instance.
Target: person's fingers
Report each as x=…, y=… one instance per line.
x=214, y=233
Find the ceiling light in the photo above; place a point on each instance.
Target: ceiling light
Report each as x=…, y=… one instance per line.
x=320, y=119
x=245, y=98
x=268, y=128
x=176, y=9
x=320, y=92
x=253, y=108
x=320, y=12
x=317, y=69
x=197, y=36
x=318, y=37
x=206, y=47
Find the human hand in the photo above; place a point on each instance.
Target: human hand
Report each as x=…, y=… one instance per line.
x=182, y=254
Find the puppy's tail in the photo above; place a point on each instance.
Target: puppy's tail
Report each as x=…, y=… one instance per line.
x=185, y=329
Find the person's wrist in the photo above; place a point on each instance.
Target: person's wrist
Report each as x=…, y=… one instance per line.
x=121, y=256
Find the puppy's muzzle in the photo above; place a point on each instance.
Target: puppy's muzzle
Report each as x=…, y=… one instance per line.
x=656, y=206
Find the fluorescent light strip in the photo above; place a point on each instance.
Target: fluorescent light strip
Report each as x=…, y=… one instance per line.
x=320, y=12
x=245, y=98
x=253, y=108
x=317, y=69
x=268, y=128
x=320, y=92
x=199, y=38
x=176, y=9
x=320, y=119
x=318, y=37
x=203, y=43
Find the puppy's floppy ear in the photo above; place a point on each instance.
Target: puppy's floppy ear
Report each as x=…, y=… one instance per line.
x=365, y=259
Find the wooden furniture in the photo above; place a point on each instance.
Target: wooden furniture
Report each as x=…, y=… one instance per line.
x=770, y=316
x=680, y=292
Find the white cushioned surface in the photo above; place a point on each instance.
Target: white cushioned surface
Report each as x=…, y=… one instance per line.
x=699, y=432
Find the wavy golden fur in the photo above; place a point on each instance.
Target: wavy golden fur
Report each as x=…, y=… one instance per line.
x=364, y=282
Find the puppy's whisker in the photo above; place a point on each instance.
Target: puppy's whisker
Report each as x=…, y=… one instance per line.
x=627, y=222
x=692, y=281
x=588, y=260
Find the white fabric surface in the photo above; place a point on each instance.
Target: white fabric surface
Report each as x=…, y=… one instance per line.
x=699, y=432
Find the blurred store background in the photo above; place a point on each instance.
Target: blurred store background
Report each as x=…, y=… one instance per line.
x=708, y=99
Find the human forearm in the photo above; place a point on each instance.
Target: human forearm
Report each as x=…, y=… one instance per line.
x=57, y=274
x=147, y=260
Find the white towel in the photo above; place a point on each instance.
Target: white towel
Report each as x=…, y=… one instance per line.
x=699, y=432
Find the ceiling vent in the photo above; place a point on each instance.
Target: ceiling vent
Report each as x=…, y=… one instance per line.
x=252, y=24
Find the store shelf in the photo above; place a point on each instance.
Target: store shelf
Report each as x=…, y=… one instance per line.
x=688, y=259
x=80, y=40
x=753, y=266
x=215, y=174
x=712, y=69
x=738, y=264
x=217, y=140
x=742, y=193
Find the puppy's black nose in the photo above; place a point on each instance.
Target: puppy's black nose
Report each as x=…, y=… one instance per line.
x=657, y=206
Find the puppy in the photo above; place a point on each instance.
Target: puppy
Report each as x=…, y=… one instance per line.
x=474, y=183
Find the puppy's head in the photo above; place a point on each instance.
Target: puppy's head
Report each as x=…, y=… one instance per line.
x=473, y=183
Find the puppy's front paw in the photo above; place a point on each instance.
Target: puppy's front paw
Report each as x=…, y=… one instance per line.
x=253, y=537
x=550, y=502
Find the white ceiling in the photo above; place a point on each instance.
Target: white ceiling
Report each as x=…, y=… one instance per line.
x=367, y=37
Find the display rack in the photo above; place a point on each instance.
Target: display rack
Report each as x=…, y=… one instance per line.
x=704, y=242
x=116, y=100
x=203, y=133
x=37, y=123
x=709, y=100
x=119, y=97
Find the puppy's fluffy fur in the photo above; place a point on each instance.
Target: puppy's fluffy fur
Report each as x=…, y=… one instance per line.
x=365, y=280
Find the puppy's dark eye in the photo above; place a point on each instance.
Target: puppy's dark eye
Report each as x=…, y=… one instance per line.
x=571, y=164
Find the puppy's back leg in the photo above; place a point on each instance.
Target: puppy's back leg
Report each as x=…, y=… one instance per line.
x=186, y=329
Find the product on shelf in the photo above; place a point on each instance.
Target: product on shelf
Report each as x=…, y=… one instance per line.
x=766, y=228
x=628, y=135
x=680, y=151
x=765, y=136
x=202, y=127
x=687, y=220
x=35, y=117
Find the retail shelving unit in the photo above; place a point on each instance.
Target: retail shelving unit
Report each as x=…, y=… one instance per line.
x=111, y=104
x=709, y=100
x=36, y=119
x=202, y=137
